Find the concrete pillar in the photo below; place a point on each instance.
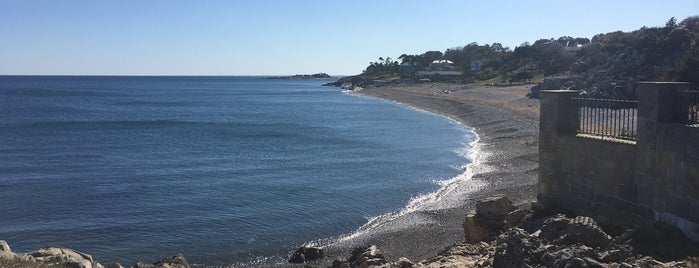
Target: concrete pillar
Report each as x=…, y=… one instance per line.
x=658, y=103
x=558, y=116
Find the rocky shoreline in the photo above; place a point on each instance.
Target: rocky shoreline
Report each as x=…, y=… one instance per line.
x=302, y=77
x=51, y=257
x=499, y=234
x=517, y=233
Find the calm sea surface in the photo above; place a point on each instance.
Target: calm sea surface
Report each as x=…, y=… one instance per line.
x=221, y=169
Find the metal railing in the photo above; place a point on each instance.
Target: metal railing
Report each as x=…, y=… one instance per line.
x=690, y=99
x=607, y=117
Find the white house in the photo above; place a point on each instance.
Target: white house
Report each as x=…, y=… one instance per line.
x=441, y=65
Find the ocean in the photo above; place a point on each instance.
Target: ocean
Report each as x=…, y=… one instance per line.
x=220, y=169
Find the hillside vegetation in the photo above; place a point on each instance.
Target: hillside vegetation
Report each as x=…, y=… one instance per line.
x=609, y=60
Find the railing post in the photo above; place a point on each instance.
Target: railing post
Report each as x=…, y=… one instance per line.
x=558, y=116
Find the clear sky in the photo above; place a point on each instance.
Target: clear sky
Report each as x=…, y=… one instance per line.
x=265, y=37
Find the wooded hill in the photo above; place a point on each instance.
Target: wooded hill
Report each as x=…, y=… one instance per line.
x=668, y=53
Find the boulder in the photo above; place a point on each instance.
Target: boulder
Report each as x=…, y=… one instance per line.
x=404, y=262
x=304, y=254
x=364, y=257
x=113, y=265
x=515, y=248
x=514, y=218
x=494, y=208
x=63, y=257
x=473, y=231
x=177, y=261
x=4, y=247
x=340, y=264
x=579, y=230
x=5, y=251
x=141, y=264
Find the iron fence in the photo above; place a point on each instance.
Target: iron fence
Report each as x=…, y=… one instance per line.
x=690, y=99
x=607, y=117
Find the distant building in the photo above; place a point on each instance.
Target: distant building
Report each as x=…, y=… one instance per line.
x=477, y=65
x=441, y=65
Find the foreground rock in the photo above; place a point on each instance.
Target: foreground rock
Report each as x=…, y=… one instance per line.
x=64, y=256
x=492, y=216
x=304, y=254
x=177, y=261
x=551, y=241
x=69, y=258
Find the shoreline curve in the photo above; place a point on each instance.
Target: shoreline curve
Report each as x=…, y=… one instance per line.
x=505, y=122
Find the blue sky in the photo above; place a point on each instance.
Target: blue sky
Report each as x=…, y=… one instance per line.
x=264, y=37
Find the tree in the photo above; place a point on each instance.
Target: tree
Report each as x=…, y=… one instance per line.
x=582, y=41
x=497, y=47
x=428, y=57
x=672, y=22
x=691, y=23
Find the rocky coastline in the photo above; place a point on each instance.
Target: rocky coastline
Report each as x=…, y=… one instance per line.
x=499, y=225
x=499, y=234
x=53, y=257
x=302, y=77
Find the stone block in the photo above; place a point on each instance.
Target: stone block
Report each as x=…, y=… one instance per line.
x=495, y=207
x=473, y=231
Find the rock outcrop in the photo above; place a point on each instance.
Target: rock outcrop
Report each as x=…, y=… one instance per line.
x=304, y=254
x=177, y=261
x=366, y=257
x=492, y=216
x=557, y=83
x=64, y=256
x=551, y=241
x=70, y=258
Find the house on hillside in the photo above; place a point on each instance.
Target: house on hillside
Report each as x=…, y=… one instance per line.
x=441, y=65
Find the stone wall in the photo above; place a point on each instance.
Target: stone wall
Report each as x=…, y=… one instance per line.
x=654, y=179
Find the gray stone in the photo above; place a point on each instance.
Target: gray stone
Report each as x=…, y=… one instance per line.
x=5, y=251
x=474, y=231
x=340, y=264
x=143, y=265
x=113, y=265
x=404, y=263
x=63, y=256
x=584, y=230
x=304, y=254
x=4, y=247
x=364, y=257
x=514, y=218
x=494, y=208
x=177, y=261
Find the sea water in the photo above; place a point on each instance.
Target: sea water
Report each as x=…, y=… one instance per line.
x=221, y=169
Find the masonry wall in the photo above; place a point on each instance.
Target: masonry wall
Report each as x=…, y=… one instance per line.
x=655, y=179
